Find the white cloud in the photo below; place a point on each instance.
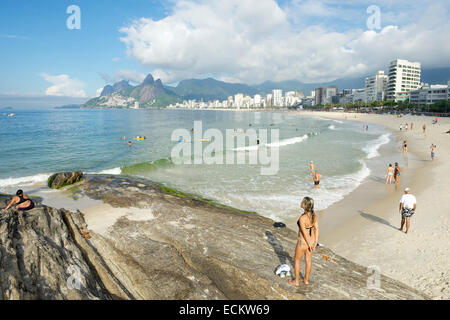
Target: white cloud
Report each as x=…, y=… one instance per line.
x=64, y=86
x=115, y=59
x=255, y=40
x=128, y=75
x=98, y=92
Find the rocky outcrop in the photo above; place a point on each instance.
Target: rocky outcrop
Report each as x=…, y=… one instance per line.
x=175, y=246
x=40, y=260
x=149, y=94
x=165, y=245
x=59, y=180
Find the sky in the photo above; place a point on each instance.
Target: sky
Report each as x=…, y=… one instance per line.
x=47, y=50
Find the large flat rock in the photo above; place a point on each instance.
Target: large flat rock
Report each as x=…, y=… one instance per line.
x=158, y=243
x=183, y=247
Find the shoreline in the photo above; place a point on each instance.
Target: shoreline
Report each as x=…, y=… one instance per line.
x=358, y=235
x=369, y=232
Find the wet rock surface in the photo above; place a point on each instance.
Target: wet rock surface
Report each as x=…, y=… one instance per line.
x=177, y=247
x=59, y=180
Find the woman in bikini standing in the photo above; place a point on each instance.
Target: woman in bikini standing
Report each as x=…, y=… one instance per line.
x=397, y=172
x=308, y=237
x=389, y=174
x=405, y=147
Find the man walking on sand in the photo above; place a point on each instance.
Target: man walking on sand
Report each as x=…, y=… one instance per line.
x=407, y=209
x=433, y=150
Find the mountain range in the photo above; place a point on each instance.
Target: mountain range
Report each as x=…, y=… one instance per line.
x=149, y=94
x=153, y=94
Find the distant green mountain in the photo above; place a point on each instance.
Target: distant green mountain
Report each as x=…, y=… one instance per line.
x=149, y=94
x=117, y=87
x=210, y=89
x=431, y=76
x=436, y=75
x=153, y=94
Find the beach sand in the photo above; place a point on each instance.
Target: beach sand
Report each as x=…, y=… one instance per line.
x=368, y=231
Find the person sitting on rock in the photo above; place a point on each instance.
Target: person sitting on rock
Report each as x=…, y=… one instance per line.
x=22, y=201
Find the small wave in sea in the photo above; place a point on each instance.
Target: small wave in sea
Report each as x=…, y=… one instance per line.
x=372, y=147
x=281, y=143
x=136, y=169
x=24, y=181
x=114, y=171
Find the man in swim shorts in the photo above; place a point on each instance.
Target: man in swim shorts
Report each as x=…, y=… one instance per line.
x=433, y=149
x=407, y=208
x=316, y=179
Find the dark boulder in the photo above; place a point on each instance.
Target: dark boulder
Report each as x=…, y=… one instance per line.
x=59, y=180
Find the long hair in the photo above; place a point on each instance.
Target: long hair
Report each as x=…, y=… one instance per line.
x=309, y=207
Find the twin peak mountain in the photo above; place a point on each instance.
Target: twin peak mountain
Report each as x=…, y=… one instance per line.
x=148, y=94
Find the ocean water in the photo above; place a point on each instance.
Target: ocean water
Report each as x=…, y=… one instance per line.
x=35, y=144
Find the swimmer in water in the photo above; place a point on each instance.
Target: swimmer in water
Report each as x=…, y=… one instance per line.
x=316, y=179
x=130, y=143
x=312, y=168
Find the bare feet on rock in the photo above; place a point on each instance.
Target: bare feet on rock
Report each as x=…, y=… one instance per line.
x=294, y=283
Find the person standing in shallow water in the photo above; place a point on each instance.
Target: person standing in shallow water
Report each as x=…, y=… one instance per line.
x=308, y=237
x=316, y=179
x=312, y=168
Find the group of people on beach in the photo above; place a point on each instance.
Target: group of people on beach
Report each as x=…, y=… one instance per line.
x=405, y=126
x=393, y=172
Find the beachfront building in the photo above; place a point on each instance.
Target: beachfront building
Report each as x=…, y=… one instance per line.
x=277, y=98
x=324, y=95
x=430, y=94
x=376, y=87
x=247, y=102
x=238, y=100
x=292, y=98
x=230, y=101
x=257, y=100
x=404, y=76
x=269, y=101
x=353, y=95
x=318, y=92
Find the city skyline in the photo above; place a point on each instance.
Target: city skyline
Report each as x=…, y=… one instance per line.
x=45, y=58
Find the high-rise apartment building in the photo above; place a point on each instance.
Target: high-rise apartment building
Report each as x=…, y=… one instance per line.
x=277, y=98
x=404, y=76
x=376, y=87
x=238, y=100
